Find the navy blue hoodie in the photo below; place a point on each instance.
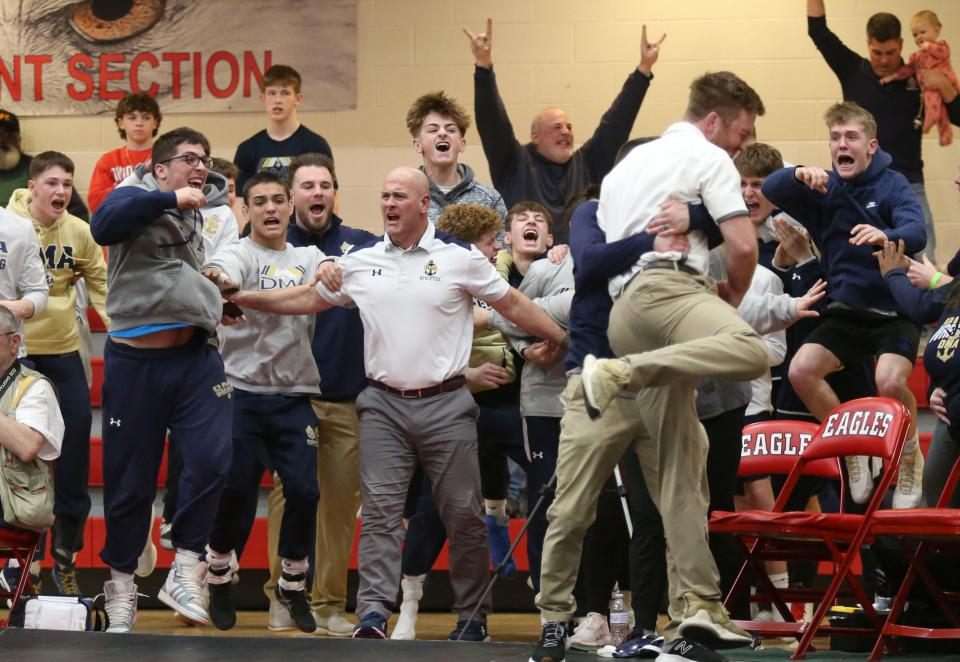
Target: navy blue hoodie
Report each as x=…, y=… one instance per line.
x=879, y=197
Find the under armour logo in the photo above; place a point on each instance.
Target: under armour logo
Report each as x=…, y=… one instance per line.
x=796, y=276
x=115, y=422
x=536, y=456
x=378, y=272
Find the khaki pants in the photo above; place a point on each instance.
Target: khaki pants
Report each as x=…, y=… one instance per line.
x=338, y=477
x=672, y=331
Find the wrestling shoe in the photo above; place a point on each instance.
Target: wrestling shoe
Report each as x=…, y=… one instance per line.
x=909, y=490
x=601, y=380
x=295, y=600
x=498, y=539
x=859, y=477
x=65, y=580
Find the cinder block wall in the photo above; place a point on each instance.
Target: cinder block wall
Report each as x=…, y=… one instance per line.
x=566, y=53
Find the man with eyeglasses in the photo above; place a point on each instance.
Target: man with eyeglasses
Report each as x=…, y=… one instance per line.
x=161, y=373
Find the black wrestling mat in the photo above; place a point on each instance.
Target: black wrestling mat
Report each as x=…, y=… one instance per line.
x=48, y=645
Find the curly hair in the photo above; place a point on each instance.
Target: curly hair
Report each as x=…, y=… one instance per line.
x=468, y=222
x=440, y=103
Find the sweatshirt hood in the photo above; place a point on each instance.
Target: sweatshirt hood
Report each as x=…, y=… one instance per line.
x=215, y=189
x=19, y=205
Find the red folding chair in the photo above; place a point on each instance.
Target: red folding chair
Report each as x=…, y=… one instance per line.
x=772, y=447
x=21, y=545
x=869, y=426
x=922, y=533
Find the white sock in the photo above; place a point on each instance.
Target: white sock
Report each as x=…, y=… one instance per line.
x=780, y=579
x=218, y=570
x=187, y=558
x=294, y=567
x=496, y=507
x=125, y=577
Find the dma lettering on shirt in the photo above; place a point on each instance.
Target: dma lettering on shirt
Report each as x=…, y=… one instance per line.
x=57, y=257
x=275, y=278
x=778, y=443
x=865, y=422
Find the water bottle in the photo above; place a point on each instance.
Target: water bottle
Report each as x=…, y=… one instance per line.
x=619, y=619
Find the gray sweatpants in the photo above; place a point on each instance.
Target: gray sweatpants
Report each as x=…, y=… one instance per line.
x=440, y=433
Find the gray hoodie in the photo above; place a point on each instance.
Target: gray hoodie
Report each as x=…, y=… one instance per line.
x=467, y=191
x=551, y=287
x=156, y=252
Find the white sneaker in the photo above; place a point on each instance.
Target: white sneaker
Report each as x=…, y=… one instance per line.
x=859, y=477
x=333, y=624
x=120, y=605
x=279, y=619
x=909, y=490
x=183, y=592
x=592, y=633
x=406, y=627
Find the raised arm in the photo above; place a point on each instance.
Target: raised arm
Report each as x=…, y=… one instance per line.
x=128, y=209
x=601, y=149
x=500, y=144
x=838, y=57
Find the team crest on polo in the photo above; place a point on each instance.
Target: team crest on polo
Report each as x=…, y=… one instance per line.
x=947, y=338
x=275, y=278
x=312, y=435
x=345, y=248
x=430, y=269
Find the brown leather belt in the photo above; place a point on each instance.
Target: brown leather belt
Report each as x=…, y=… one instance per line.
x=670, y=264
x=451, y=384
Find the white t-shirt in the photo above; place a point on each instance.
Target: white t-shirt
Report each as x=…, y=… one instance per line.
x=416, y=306
x=681, y=165
x=39, y=410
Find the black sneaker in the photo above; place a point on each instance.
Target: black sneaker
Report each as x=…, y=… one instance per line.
x=220, y=607
x=681, y=650
x=640, y=645
x=553, y=643
x=296, y=603
x=476, y=631
x=371, y=626
x=65, y=580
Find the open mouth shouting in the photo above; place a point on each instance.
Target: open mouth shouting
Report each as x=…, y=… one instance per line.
x=58, y=204
x=845, y=163
x=271, y=222
x=443, y=146
x=196, y=182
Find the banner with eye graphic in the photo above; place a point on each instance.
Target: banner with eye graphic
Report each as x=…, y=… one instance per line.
x=68, y=57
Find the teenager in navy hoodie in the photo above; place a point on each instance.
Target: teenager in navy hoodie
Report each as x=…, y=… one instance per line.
x=849, y=212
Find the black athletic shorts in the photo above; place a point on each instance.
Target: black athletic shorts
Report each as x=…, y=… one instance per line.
x=853, y=335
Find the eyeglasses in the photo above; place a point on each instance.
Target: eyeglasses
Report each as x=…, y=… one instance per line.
x=192, y=160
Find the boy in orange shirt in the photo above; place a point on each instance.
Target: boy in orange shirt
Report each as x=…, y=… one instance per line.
x=138, y=120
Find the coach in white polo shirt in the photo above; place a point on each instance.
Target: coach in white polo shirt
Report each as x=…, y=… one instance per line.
x=414, y=289
x=671, y=329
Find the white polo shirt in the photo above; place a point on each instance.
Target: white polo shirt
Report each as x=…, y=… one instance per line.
x=683, y=165
x=416, y=305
